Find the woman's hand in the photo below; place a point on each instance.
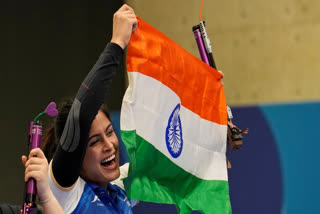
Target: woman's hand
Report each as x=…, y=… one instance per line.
x=124, y=24
x=222, y=75
x=37, y=168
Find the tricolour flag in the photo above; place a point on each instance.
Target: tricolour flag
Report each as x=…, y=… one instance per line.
x=174, y=125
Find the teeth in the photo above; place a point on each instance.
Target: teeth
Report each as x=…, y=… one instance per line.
x=109, y=159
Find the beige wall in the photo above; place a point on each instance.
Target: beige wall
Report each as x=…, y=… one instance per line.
x=268, y=50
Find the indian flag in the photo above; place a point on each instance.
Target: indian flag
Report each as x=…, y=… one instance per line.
x=174, y=126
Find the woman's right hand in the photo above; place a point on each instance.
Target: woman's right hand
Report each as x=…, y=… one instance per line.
x=124, y=24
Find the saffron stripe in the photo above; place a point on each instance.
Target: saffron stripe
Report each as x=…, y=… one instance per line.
x=196, y=83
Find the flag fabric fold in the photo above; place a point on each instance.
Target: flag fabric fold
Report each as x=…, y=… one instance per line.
x=174, y=125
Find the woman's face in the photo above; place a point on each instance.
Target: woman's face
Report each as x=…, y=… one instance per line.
x=101, y=161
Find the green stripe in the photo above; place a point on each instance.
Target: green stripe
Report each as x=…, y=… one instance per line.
x=154, y=178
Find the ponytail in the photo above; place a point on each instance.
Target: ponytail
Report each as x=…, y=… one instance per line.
x=49, y=143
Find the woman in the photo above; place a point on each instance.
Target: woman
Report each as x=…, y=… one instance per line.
x=86, y=159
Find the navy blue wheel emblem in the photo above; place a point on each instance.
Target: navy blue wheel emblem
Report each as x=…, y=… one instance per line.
x=174, y=139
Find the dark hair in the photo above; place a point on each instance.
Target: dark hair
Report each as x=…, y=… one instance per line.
x=51, y=136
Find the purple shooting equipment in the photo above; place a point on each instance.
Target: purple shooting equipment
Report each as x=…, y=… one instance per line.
x=203, y=43
x=35, y=134
x=201, y=48
x=205, y=51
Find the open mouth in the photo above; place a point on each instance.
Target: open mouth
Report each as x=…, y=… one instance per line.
x=108, y=161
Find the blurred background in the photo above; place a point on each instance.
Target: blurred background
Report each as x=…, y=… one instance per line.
x=269, y=52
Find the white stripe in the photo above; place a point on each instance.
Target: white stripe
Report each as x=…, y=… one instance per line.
x=146, y=108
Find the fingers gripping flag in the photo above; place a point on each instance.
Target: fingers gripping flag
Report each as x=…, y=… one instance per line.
x=174, y=126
